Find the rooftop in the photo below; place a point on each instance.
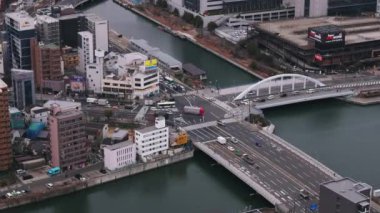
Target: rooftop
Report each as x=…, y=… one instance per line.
x=146, y=129
x=94, y=18
x=358, y=29
x=118, y=145
x=13, y=110
x=193, y=70
x=348, y=189
x=3, y=84
x=37, y=110
x=46, y=19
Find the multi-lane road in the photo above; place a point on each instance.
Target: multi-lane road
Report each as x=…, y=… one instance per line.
x=277, y=169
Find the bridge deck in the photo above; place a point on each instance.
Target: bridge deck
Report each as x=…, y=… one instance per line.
x=282, y=169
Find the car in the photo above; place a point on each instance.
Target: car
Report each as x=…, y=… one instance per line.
x=270, y=97
x=20, y=172
x=262, y=100
x=310, y=91
x=83, y=179
x=282, y=95
x=256, y=99
x=27, y=177
x=234, y=140
x=103, y=171
x=238, y=153
x=304, y=194
x=78, y=176
x=221, y=123
x=258, y=144
x=248, y=159
x=295, y=92
x=49, y=185
x=230, y=148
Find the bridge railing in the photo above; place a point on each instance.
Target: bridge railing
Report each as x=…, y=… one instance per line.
x=250, y=182
x=303, y=155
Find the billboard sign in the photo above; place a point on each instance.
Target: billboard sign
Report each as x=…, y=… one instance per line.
x=318, y=57
x=326, y=34
x=77, y=83
x=315, y=36
x=150, y=65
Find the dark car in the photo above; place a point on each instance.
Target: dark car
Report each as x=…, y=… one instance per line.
x=27, y=177
x=103, y=171
x=78, y=176
x=283, y=95
x=248, y=159
x=262, y=100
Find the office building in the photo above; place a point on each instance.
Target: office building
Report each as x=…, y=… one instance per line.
x=344, y=195
x=47, y=29
x=23, y=88
x=46, y=62
x=70, y=58
x=99, y=29
x=119, y=155
x=68, y=142
x=327, y=44
x=317, y=8
x=20, y=27
x=85, y=50
x=94, y=73
x=132, y=76
x=39, y=115
x=70, y=26
x=152, y=140
x=5, y=131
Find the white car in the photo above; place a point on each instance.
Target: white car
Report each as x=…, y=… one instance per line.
x=230, y=148
x=49, y=185
x=270, y=97
x=234, y=140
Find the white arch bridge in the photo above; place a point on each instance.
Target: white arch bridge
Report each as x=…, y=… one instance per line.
x=281, y=83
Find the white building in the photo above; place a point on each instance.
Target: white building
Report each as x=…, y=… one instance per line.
x=39, y=114
x=152, y=140
x=85, y=50
x=119, y=155
x=99, y=28
x=95, y=72
x=131, y=76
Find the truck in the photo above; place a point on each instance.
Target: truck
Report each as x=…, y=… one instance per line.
x=103, y=102
x=91, y=100
x=222, y=140
x=195, y=110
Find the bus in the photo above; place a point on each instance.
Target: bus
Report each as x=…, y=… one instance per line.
x=166, y=104
x=54, y=171
x=168, y=79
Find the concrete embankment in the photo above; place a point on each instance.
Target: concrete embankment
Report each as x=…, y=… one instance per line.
x=69, y=186
x=120, y=2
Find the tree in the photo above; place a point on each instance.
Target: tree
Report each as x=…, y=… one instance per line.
x=176, y=12
x=211, y=26
x=252, y=48
x=108, y=113
x=188, y=17
x=198, y=22
x=162, y=3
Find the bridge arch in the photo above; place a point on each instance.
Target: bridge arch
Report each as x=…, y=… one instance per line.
x=281, y=77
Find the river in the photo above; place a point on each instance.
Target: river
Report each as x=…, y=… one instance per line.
x=343, y=136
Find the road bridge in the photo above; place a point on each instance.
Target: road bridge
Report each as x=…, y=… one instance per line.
x=279, y=169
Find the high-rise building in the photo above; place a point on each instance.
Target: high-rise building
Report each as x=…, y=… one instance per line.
x=47, y=29
x=47, y=62
x=20, y=27
x=85, y=50
x=94, y=73
x=69, y=26
x=23, y=88
x=344, y=195
x=99, y=29
x=152, y=140
x=68, y=141
x=5, y=131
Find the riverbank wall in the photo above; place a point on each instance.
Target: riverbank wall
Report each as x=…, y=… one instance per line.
x=70, y=186
x=134, y=10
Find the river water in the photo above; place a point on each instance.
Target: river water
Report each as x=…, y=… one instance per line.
x=343, y=136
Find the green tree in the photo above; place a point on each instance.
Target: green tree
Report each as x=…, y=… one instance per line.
x=188, y=17
x=162, y=3
x=211, y=26
x=252, y=48
x=198, y=22
x=176, y=12
x=108, y=113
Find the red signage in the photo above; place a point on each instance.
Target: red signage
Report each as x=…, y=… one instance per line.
x=318, y=57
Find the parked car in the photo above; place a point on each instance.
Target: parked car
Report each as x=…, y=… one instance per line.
x=49, y=185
